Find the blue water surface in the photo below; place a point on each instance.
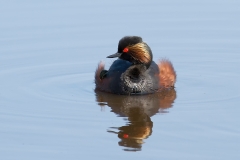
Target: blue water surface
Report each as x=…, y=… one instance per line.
x=49, y=51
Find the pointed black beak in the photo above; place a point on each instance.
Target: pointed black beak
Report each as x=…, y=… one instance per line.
x=114, y=55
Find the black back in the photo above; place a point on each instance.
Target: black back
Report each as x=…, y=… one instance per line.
x=133, y=79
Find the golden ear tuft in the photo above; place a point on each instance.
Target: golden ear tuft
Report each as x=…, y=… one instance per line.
x=140, y=53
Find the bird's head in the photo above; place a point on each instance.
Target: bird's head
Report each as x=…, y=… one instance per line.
x=133, y=49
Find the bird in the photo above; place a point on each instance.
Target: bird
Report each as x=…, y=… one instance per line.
x=134, y=72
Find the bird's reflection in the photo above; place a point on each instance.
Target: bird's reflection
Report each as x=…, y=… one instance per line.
x=138, y=110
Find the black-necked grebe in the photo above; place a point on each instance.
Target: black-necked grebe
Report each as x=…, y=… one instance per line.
x=134, y=72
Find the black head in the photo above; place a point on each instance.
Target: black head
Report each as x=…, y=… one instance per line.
x=128, y=41
x=133, y=49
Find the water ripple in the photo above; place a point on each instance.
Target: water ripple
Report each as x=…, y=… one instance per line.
x=61, y=82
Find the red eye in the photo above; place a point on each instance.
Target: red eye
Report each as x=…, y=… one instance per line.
x=125, y=135
x=125, y=50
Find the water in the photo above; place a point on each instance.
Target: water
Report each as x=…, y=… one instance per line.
x=49, y=51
